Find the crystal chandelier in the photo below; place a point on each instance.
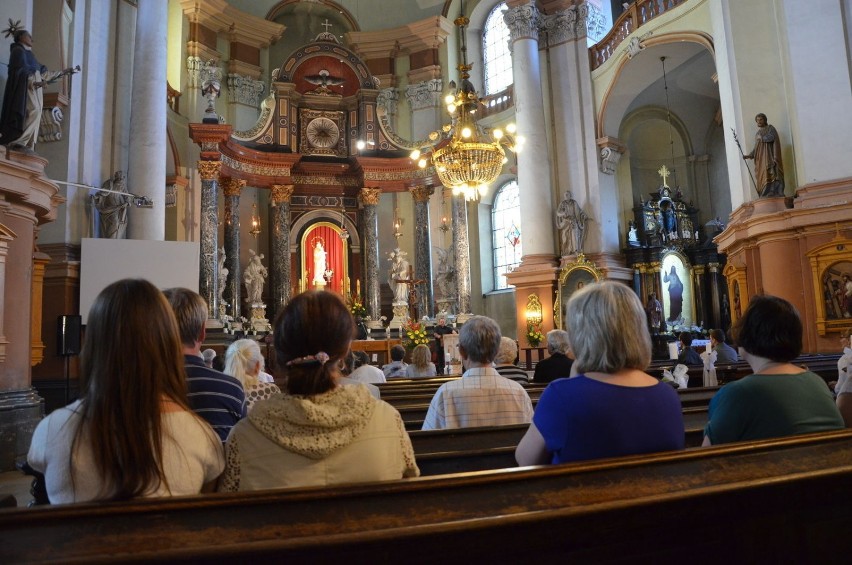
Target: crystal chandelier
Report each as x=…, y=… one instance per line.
x=466, y=158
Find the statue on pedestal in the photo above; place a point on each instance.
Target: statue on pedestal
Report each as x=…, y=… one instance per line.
x=254, y=278
x=112, y=207
x=398, y=276
x=571, y=221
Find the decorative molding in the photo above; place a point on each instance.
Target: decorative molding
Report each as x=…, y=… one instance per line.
x=560, y=27
x=244, y=90
x=231, y=186
x=263, y=169
x=388, y=98
x=326, y=180
x=399, y=175
x=281, y=193
x=582, y=20
x=422, y=193
x=369, y=196
x=611, y=150
x=193, y=71
x=523, y=22
x=50, y=127
x=209, y=170
x=240, y=26
x=430, y=33
x=264, y=122
x=425, y=94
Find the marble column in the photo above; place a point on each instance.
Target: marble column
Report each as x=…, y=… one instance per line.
x=422, y=249
x=368, y=198
x=231, y=189
x=208, y=277
x=282, y=276
x=715, y=316
x=534, y=164
x=146, y=174
x=461, y=255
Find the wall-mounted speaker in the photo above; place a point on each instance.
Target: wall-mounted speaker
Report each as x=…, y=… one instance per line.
x=68, y=335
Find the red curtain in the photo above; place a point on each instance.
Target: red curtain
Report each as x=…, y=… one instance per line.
x=335, y=258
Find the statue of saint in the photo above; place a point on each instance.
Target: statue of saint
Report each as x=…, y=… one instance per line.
x=768, y=167
x=223, y=276
x=319, y=264
x=22, y=101
x=571, y=221
x=112, y=208
x=675, y=295
x=398, y=273
x=654, y=311
x=254, y=278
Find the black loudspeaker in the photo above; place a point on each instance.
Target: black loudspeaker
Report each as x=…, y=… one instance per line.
x=68, y=335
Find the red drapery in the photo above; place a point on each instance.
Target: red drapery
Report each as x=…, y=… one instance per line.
x=335, y=258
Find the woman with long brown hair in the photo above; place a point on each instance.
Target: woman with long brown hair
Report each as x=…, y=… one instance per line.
x=131, y=433
x=318, y=432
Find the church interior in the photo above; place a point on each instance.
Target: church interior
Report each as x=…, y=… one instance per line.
x=261, y=148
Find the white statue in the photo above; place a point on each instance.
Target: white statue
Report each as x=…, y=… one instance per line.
x=254, y=277
x=223, y=276
x=398, y=272
x=319, y=263
x=445, y=274
x=112, y=208
x=571, y=221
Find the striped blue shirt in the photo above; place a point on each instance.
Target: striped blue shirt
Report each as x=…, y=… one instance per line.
x=215, y=396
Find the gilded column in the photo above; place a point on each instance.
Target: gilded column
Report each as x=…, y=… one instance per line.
x=534, y=164
x=368, y=198
x=461, y=256
x=208, y=277
x=282, y=276
x=422, y=247
x=231, y=189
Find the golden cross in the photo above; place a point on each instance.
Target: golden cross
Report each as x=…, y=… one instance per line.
x=664, y=172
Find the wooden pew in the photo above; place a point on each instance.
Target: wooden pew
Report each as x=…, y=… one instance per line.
x=761, y=502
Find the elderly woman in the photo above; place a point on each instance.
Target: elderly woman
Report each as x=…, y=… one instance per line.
x=779, y=399
x=421, y=363
x=244, y=361
x=611, y=407
x=505, y=361
x=316, y=432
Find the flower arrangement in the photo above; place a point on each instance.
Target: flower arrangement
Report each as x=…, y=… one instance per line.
x=356, y=306
x=413, y=334
x=534, y=335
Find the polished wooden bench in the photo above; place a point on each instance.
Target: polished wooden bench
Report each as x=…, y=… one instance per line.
x=760, y=502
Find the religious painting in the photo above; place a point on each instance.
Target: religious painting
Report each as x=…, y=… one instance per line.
x=677, y=291
x=573, y=277
x=831, y=266
x=325, y=259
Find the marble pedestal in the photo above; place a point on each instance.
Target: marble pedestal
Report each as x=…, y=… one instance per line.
x=400, y=315
x=258, y=321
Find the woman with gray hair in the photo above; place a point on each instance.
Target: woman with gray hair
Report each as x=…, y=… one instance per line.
x=505, y=361
x=244, y=361
x=611, y=407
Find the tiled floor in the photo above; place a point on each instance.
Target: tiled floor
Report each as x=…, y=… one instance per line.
x=18, y=485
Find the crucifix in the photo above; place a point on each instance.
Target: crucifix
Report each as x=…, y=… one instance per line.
x=412, y=292
x=664, y=172
x=326, y=25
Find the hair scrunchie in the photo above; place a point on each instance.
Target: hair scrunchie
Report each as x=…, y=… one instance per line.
x=321, y=357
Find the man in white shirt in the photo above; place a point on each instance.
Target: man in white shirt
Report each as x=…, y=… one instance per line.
x=364, y=372
x=482, y=397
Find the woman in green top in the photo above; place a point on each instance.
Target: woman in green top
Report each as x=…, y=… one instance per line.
x=780, y=398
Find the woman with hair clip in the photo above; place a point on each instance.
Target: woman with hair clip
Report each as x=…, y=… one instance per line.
x=131, y=434
x=317, y=432
x=244, y=362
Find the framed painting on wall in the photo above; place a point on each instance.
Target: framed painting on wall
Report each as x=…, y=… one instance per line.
x=573, y=277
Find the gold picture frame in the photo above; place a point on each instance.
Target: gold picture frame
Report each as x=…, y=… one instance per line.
x=572, y=277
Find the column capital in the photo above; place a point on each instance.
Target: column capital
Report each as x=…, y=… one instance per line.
x=560, y=26
x=369, y=196
x=281, y=193
x=209, y=170
x=611, y=150
x=426, y=94
x=523, y=22
x=422, y=193
x=231, y=186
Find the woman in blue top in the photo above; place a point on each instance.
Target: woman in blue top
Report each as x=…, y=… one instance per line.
x=611, y=407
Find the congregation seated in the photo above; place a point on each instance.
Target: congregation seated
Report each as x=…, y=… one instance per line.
x=558, y=365
x=421, y=365
x=131, y=433
x=346, y=370
x=482, y=397
x=505, y=361
x=363, y=371
x=779, y=399
x=611, y=407
x=688, y=356
x=316, y=432
x=213, y=395
x=725, y=354
x=244, y=361
x=396, y=368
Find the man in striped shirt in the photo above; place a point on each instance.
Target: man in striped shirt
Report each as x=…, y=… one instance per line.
x=215, y=396
x=482, y=397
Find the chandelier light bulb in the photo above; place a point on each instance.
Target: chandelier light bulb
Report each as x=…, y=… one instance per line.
x=360, y=145
x=483, y=189
x=511, y=128
x=505, y=160
x=451, y=108
x=421, y=163
x=415, y=154
x=466, y=132
x=449, y=99
x=498, y=134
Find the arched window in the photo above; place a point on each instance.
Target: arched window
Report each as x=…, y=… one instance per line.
x=496, y=58
x=506, y=232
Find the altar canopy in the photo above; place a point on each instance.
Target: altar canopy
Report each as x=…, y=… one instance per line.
x=335, y=269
